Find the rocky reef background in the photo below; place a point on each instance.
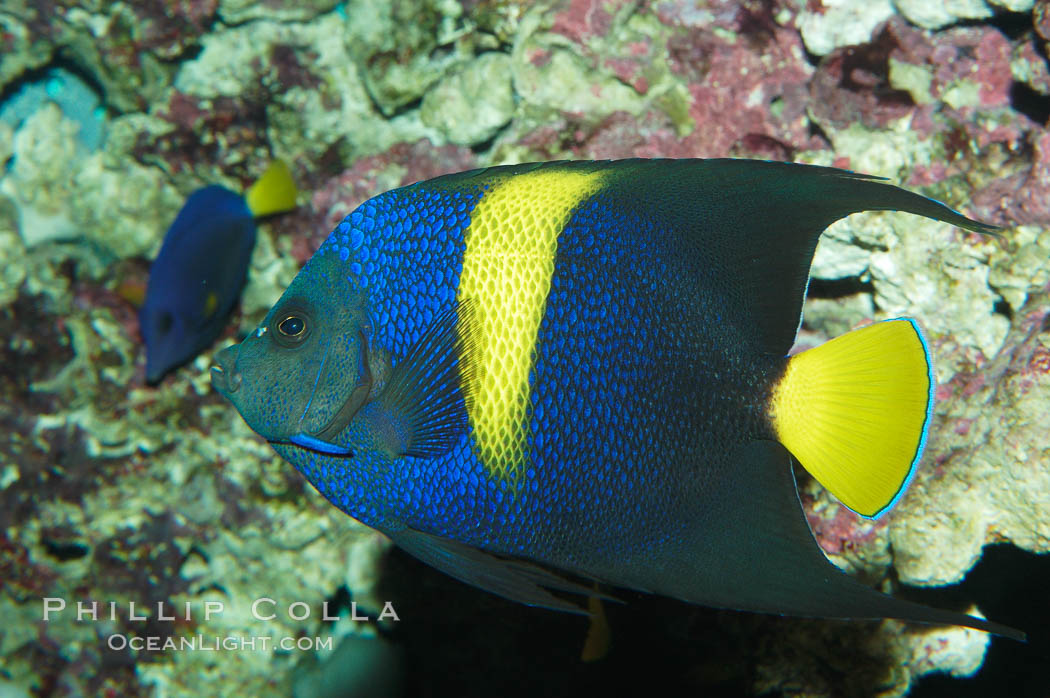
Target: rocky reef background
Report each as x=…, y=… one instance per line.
x=112, y=112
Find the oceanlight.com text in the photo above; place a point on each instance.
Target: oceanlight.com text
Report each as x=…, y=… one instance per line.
x=215, y=643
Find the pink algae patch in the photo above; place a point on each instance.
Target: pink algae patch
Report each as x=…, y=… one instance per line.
x=925, y=175
x=1022, y=197
x=837, y=529
x=584, y=19
x=400, y=165
x=733, y=88
x=1039, y=362
x=539, y=57
x=628, y=71
x=638, y=48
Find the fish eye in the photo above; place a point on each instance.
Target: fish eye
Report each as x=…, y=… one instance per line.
x=292, y=326
x=164, y=322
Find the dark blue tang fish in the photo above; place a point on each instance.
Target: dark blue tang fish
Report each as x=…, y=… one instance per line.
x=202, y=265
x=582, y=367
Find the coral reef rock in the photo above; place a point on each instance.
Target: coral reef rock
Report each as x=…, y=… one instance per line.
x=111, y=113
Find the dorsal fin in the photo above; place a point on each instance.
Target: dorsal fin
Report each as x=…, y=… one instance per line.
x=753, y=224
x=757, y=223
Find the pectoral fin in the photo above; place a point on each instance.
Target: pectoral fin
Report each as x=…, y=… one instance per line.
x=423, y=402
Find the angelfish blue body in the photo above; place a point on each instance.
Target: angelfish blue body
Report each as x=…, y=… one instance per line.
x=568, y=367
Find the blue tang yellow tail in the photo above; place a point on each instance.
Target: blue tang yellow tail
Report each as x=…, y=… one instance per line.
x=581, y=367
x=202, y=265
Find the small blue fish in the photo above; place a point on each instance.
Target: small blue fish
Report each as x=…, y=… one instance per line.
x=583, y=367
x=203, y=263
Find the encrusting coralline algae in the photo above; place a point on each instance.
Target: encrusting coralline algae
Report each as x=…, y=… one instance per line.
x=110, y=490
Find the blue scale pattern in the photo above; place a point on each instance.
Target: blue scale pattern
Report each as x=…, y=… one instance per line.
x=609, y=340
x=600, y=353
x=406, y=248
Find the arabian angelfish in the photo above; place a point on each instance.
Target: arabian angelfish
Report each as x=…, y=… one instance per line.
x=202, y=265
x=582, y=367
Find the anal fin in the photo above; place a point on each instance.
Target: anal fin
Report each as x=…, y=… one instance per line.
x=763, y=557
x=513, y=579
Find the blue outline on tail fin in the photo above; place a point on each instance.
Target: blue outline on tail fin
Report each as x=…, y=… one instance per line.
x=925, y=424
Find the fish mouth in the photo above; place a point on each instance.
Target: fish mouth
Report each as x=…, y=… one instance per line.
x=225, y=378
x=158, y=364
x=153, y=374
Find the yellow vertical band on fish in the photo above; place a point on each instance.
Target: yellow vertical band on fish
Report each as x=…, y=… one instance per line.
x=508, y=262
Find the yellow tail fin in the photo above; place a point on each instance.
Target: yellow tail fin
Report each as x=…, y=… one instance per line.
x=273, y=192
x=854, y=411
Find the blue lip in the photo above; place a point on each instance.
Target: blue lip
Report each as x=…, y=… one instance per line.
x=315, y=444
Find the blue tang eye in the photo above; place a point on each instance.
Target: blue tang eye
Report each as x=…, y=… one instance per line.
x=165, y=322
